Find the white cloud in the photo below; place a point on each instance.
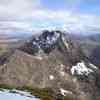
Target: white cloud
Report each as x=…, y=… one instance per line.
x=27, y=15
x=74, y=22
x=17, y=9
x=15, y=15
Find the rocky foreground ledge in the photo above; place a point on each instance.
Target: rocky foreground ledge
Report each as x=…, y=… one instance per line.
x=52, y=67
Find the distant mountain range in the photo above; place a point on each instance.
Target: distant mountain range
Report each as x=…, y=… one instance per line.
x=14, y=37
x=91, y=47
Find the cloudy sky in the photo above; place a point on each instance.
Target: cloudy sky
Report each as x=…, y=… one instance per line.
x=78, y=16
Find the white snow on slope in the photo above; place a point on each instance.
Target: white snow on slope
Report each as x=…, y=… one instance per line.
x=65, y=92
x=51, y=77
x=81, y=69
x=16, y=95
x=52, y=39
x=93, y=66
x=65, y=42
x=62, y=72
x=38, y=57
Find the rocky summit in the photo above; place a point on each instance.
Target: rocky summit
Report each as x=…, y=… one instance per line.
x=54, y=61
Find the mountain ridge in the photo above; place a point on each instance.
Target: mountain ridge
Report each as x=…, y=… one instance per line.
x=64, y=68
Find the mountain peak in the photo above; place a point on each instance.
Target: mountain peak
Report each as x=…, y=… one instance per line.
x=52, y=60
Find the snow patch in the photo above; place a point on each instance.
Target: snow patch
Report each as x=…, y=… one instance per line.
x=81, y=69
x=62, y=65
x=52, y=39
x=51, y=77
x=16, y=95
x=62, y=73
x=24, y=93
x=39, y=57
x=75, y=80
x=65, y=92
x=93, y=66
x=66, y=44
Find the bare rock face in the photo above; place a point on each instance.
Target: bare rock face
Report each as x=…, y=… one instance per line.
x=53, y=61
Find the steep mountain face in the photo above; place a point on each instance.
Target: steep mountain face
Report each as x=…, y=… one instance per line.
x=91, y=47
x=52, y=60
x=95, y=56
x=48, y=41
